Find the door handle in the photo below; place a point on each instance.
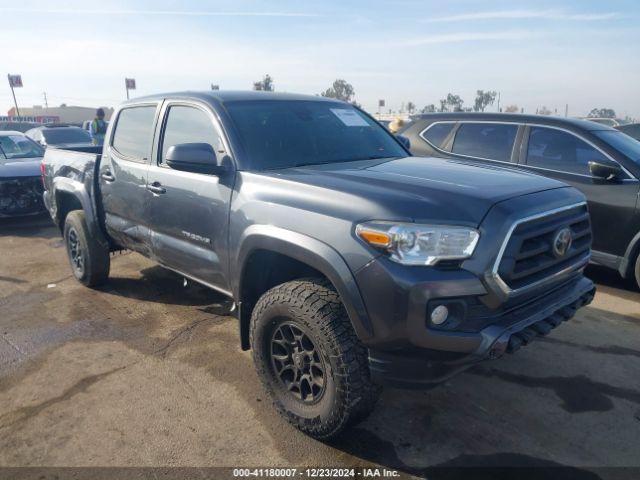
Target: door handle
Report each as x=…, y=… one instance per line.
x=157, y=188
x=107, y=176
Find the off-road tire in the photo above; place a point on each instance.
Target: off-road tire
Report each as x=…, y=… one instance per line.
x=314, y=307
x=93, y=269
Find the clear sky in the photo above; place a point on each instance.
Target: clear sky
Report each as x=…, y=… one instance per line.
x=537, y=52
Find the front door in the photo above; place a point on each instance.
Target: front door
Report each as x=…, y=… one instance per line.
x=189, y=212
x=123, y=176
x=562, y=155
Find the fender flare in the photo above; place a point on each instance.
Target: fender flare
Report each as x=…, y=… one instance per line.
x=312, y=252
x=79, y=192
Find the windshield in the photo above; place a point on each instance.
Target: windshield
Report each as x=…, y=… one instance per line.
x=57, y=136
x=19, y=146
x=628, y=146
x=281, y=134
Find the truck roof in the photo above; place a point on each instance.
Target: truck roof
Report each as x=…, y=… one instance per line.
x=222, y=96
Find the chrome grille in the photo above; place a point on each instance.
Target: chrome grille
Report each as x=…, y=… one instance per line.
x=528, y=258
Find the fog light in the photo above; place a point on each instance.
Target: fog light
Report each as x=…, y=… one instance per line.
x=439, y=315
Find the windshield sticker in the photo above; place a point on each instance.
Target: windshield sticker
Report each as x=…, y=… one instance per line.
x=349, y=117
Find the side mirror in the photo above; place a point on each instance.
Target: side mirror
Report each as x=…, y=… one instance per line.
x=194, y=157
x=605, y=169
x=404, y=141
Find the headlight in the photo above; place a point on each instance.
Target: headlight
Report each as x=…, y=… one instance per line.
x=413, y=244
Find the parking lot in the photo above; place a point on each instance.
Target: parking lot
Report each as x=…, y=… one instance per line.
x=148, y=372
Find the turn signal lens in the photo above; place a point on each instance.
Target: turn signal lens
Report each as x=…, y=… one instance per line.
x=377, y=239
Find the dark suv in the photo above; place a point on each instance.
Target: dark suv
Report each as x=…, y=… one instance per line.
x=598, y=160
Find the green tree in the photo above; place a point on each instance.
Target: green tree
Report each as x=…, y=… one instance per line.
x=431, y=108
x=602, y=113
x=266, y=84
x=543, y=111
x=341, y=89
x=512, y=109
x=484, y=99
x=453, y=103
x=411, y=107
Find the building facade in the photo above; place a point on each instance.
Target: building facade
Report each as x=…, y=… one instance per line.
x=61, y=114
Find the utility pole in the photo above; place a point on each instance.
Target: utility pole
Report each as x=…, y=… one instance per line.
x=498, y=102
x=566, y=110
x=46, y=104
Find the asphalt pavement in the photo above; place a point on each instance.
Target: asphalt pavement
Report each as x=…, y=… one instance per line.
x=147, y=372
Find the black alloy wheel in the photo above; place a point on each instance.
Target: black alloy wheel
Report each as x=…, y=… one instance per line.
x=297, y=363
x=76, y=254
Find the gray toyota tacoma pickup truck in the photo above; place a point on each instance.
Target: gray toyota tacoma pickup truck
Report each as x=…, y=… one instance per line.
x=352, y=264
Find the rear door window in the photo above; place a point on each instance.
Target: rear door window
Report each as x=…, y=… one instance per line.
x=561, y=151
x=437, y=133
x=493, y=141
x=134, y=132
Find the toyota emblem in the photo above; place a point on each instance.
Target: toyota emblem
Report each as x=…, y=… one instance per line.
x=562, y=242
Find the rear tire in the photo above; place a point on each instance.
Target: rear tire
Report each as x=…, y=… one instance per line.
x=88, y=255
x=309, y=359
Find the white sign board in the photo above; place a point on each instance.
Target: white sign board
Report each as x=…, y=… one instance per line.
x=15, y=81
x=350, y=117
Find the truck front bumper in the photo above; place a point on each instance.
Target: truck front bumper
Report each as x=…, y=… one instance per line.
x=413, y=366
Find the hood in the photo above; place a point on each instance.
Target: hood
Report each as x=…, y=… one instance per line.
x=20, y=167
x=422, y=189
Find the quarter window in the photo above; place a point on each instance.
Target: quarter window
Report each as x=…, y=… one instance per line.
x=557, y=150
x=485, y=140
x=189, y=125
x=437, y=133
x=134, y=132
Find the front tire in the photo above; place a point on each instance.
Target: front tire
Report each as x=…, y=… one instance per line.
x=88, y=256
x=309, y=359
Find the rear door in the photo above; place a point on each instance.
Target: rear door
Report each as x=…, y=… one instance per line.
x=123, y=176
x=485, y=141
x=563, y=155
x=188, y=212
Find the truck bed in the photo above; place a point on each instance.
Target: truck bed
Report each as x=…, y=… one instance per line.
x=67, y=171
